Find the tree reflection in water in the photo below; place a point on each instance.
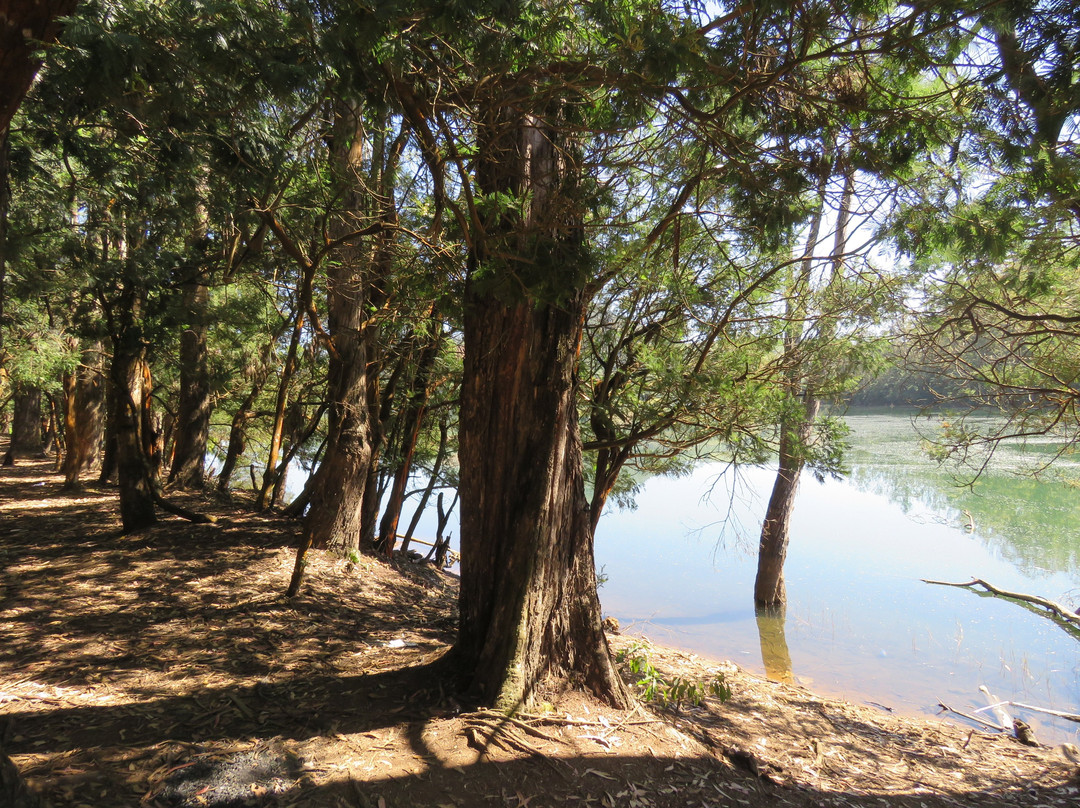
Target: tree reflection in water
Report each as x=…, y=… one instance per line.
x=774, y=649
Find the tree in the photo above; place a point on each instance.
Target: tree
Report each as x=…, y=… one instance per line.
x=997, y=237
x=23, y=24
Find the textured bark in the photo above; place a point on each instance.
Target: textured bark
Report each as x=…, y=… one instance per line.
x=26, y=437
x=84, y=416
x=529, y=607
x=528, y=602
x=129, y=376
x=333, y=520
x=23, y=24
x=5, y=205
x=192, y=425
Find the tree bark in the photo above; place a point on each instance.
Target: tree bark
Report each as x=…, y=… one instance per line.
x=287, y=372
x=528, y=602
x=192, y=425
x=333, y=520
x=26, y=437
x=433, y=480
x=129, y=377
x=412, y=419
x=24, y=24
x=529, y=607
x=769, y=588
x=84, y=416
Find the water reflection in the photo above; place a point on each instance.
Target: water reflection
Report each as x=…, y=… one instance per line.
x=775, y=656
x=1031, y=522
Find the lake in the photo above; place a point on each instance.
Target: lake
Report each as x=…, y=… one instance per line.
x=859, y=622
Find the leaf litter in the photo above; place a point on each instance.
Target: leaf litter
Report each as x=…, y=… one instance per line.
x=166, y=670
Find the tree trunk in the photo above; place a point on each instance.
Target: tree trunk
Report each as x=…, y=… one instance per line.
x=23, y=25
x=769, y=589
x=797, y=427
x=433, y=480
x=529, y=607
x=129, y=376
x=287, y=371
x=333, y=520
x=412, y=419
x=84, y=416
x=5, y=204
x=26, y=437
x=108, y=457
x=51, y=442
x=238, y=427
x=528, y=602
x=193, y=410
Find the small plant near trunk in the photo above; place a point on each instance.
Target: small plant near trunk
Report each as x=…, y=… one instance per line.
x=674, y=691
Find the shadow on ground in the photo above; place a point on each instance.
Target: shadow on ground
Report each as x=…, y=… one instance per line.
x=166, y=669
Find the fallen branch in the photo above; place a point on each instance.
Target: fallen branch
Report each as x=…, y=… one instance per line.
x=970, y=717
x=1056, y=608
x=1047, y=711
x=184, y=513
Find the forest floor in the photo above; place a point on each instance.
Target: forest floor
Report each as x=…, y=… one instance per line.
x=166, y=668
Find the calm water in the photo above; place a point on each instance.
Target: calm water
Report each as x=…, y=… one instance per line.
x=859, y=622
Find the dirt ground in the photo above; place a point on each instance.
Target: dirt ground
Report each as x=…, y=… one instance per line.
x=166, y=669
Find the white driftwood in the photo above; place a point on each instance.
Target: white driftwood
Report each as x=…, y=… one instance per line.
x=1046, y=711
x=996, y=706
x=1061, y=611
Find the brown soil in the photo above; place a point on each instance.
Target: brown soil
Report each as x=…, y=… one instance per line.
x=166, y=669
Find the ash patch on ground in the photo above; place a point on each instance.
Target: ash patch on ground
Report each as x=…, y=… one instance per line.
x=230, y=780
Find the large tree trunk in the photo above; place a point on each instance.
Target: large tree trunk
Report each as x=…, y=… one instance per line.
x=528, y=602
x=84, y=416
x=193, y=410
x=529, y=607
x=130, y=377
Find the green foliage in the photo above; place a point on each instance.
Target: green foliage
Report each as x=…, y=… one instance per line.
x=668, y=691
